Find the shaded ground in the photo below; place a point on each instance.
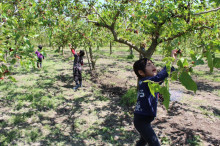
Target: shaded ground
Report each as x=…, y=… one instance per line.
x=42, y=108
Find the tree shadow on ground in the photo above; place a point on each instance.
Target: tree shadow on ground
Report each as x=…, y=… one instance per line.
x=66, y=79
x=117, y=118
x=177, y=107
x=182, y=135
x=214, y=110
x=206, y=86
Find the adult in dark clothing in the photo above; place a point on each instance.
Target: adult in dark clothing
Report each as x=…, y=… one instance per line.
x=77, y=67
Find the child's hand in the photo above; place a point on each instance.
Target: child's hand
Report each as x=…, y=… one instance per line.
x=174, y=53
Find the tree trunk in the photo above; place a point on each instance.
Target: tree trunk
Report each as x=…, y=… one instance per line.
x=131, y=50
x=91, y=57
x=62, y=51
x=151, y=49
x=88, y=59
x=59, y=49
x=110, y=47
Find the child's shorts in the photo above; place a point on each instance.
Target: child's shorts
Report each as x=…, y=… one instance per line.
x=39, y=60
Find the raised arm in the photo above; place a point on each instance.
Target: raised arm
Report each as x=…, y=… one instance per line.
x=161, y=75
x=72, y=50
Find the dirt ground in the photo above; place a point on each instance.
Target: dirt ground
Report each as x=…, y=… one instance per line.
x=93, y=115
x=195, y=114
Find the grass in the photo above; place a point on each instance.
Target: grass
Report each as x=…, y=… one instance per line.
x=165, y=140
x=208, y=113
x=207, y=75
x=194, y=141
x=130, y=97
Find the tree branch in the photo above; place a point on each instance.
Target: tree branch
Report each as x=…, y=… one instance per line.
x=130, y=44
x=115, y=18
x=182, y=33
x=207, y=11
x=99, y=15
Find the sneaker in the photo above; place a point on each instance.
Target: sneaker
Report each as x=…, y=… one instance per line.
x=75, y=88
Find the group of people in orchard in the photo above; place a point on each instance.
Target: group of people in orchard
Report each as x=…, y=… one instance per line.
x=146, y=107
x=77, y=64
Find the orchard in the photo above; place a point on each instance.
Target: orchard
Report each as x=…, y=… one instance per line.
x=39, y=105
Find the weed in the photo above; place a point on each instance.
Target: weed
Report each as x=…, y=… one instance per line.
x=98, y=95
x=32, y=135
x=195, y=141
x=165, y=140
x=3, y=124
x=78, y=123
x=208, y=113
x=17, y=119
x=103, y=98
x=130, y=97
x=6, y=139
x=19, y=105
x=129, y=67
x=130, y=56
x=86, y=76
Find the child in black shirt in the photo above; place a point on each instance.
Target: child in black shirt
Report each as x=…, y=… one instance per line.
x=146, y=106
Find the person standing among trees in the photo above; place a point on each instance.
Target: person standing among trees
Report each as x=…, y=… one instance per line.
x=77, y=67
x=39, y=56
x=146, y=107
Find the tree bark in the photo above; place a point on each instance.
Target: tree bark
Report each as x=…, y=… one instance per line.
x=150, y=51
x=131, y=50
x=91, y=57
x=110, y=47
x=88, y=59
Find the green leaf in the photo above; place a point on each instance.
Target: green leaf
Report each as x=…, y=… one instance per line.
x=13, y=61
x=166, y=95
x=185, y=62
x=180, y=64
x=154, y=87
x=4, y=67
x=210, y=61
x=169, y=59
x=216, y=62
x=192, y=54
x=12, y=79
x=187, y=81
x=199, y=62
x=174, y=75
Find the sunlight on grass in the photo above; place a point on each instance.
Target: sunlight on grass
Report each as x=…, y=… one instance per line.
x=208, y=76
